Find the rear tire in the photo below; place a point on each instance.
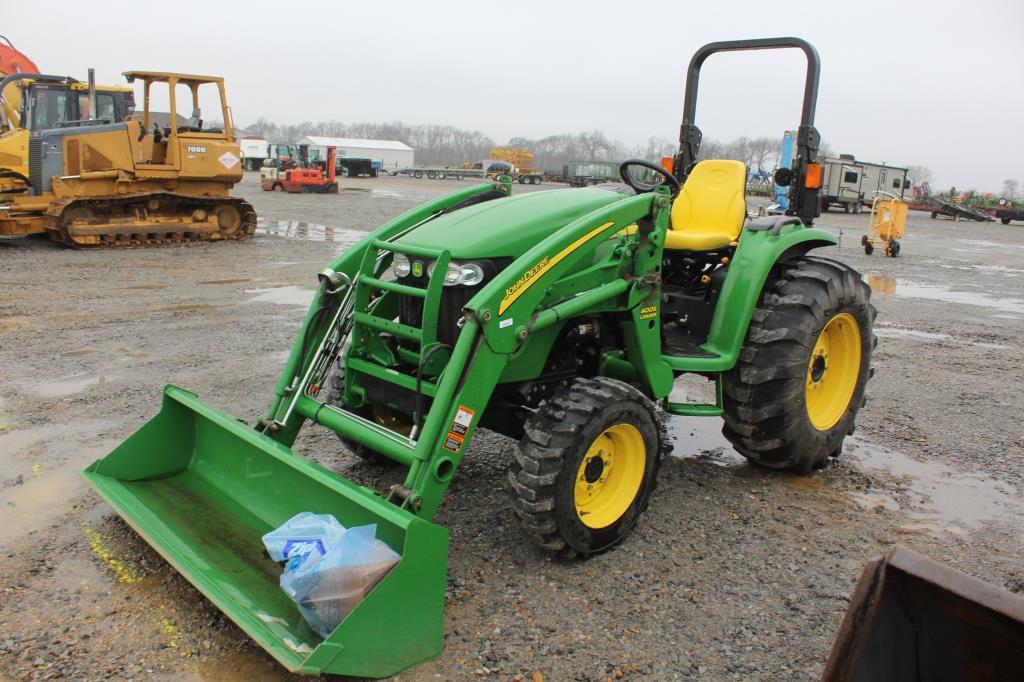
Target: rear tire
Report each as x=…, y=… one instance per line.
x=794, y=394
x=586, y=466
x=1004, y=221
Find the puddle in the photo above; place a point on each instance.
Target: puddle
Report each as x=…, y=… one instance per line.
x=885, y=287
x=418, y=197
x=942, y=497
x=237, y=280
x=188, y=307
x=296, y=229
x=37, y=502
x=696, y=436
x=66, y=386
x=871, y=501
x=900, y=333
x=984, y=242
x=291, y=295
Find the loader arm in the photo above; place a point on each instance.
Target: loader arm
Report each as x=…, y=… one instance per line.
x=461, y=391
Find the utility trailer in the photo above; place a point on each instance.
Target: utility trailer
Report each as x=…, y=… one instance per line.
x=255, y=150
x=954, y=211
x=356, y=168
x=584, y=173
x=852, y=184
x=1006, y=211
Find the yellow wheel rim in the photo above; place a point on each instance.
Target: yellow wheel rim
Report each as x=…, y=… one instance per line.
x=389, y=419
x=833, y=371
x=610, y=475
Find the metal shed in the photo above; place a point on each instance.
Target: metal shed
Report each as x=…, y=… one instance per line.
x=388, y=154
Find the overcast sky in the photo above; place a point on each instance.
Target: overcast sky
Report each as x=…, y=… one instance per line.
x=938, y=83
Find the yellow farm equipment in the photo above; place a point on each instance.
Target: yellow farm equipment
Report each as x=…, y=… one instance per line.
x=126, y=181
x=887, y=225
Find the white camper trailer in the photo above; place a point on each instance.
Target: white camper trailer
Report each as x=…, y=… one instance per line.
x=851, y=184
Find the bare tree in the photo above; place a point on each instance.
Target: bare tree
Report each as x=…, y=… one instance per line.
x=764, y=153
x=1010, y=188
x=920, y=175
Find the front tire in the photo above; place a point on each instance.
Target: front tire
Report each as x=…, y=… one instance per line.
x=586, y=466
x=794, y=394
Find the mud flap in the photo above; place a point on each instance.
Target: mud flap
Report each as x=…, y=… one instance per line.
x=202, y=487
x=911, y=618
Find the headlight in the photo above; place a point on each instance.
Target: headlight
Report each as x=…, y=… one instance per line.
x=472, y=274
x=466, y=274
x=401, y=265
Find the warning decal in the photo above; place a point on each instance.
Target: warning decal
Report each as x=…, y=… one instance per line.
x=452, y=442
x=228, y=160
x=459, y=428
x=463, y=419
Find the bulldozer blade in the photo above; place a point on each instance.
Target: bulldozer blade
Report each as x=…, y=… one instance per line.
x=911, y=618
x=202, y=488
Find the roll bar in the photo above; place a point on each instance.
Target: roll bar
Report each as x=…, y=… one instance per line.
x=803, y=201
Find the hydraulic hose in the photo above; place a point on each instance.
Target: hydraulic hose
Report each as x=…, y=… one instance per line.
x=417, y=417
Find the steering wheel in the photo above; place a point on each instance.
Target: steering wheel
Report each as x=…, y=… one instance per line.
x=641, y=187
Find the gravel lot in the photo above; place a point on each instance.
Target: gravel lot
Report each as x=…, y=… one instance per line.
x=734, y=572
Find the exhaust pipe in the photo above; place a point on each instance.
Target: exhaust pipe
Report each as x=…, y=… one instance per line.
x=92, y=94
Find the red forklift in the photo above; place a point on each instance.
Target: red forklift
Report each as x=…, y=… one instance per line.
x=302, y=177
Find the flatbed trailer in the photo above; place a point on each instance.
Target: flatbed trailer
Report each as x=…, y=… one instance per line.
x=524, y=178
x=959, y=211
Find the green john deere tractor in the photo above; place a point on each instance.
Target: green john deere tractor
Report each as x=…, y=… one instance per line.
x=560, y=318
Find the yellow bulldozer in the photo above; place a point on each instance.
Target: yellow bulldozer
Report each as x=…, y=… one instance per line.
x=98, y=173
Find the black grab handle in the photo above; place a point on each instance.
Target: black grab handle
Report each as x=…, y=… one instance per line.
x=701, y=55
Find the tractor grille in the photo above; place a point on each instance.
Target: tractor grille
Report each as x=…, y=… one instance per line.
x=453, y=299
x=35, y=164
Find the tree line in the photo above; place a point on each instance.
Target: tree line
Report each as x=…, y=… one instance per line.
x=441, y=145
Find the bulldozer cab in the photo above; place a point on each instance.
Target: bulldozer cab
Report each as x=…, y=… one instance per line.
x=184, y=141
x=41, y=102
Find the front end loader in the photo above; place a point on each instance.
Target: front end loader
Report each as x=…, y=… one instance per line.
x=560, y=318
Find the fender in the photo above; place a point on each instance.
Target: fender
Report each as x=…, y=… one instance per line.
x=756, y=255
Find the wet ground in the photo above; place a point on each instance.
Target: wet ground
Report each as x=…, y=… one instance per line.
x=734, y=572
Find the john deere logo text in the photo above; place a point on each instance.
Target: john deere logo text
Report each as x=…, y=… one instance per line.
x=649, y=312
x=527, y=279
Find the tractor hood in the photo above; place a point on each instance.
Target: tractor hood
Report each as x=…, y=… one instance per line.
x=508, y=227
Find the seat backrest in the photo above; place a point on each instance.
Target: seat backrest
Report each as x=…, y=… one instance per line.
x=712, y=199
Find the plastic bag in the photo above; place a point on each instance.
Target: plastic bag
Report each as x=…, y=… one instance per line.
x=327, y=585
x=302, y=535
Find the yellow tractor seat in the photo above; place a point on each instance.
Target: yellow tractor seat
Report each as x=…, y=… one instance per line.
x=710, y=210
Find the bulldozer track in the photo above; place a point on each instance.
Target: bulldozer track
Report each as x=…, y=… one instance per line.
x=139, y=224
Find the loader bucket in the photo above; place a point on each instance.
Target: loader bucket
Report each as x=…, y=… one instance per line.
x=911, y=618
x=202, y=488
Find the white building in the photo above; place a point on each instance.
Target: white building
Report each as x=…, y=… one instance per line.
x=389, y=154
